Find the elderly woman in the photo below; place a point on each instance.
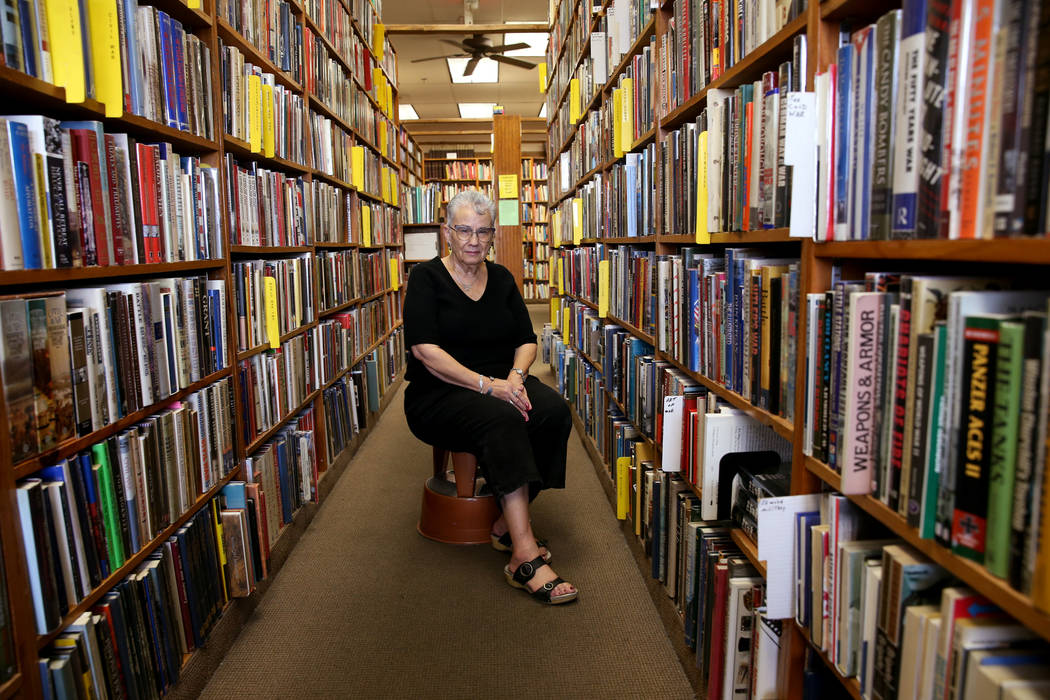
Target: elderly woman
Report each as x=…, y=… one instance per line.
x=471, y=344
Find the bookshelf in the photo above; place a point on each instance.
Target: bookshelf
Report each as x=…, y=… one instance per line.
x=453, y=172
x=535, y=236
x=593, y=156
x=290, y=141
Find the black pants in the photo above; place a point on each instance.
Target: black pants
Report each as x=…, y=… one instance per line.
x=511, y=451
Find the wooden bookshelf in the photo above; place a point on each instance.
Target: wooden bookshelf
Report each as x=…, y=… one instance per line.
x=819, y=25
x=35, y=96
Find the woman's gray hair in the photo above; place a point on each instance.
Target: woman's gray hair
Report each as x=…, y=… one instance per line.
x=474, y=199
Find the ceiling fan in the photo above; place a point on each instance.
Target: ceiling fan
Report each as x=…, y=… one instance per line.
x=478, y=47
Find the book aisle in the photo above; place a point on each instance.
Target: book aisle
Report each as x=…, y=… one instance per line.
x=794, y=254
x=202, y=273
x=799, y=308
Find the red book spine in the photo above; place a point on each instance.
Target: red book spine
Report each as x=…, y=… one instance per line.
x=148, y=203
x=85, y=149
x=716, y=661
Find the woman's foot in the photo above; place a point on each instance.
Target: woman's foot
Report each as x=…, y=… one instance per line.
x=540, y=575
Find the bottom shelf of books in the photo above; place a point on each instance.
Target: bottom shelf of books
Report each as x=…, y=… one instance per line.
x=753, y=571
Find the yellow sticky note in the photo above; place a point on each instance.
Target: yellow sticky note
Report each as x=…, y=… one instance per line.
x=366, y=226
x=508, y=186
x=627, y=121
x=273, y=330
x=603, y=288
x=267, y=122
x=67, y=58
x=255, y=113
x=105, y=55
x=394, y=275
x=617, y=119
x=378, y=39
x=577, y=221
x=543, y=76
x=574, y=100
x=357, y=166
x=623, y=488
x=703, y=235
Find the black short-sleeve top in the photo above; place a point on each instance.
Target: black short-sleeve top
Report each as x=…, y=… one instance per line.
x=482, y=335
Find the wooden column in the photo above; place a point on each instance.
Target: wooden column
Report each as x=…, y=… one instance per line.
x=506, y=160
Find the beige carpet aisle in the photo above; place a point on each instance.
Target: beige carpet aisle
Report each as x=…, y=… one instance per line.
x=366, y=607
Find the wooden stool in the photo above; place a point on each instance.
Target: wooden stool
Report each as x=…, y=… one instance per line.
x=453, y=513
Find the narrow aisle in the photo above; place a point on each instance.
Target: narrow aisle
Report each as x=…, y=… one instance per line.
x=366, y=607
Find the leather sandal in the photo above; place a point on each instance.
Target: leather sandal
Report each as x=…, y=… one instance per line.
x=545, y=593
x=502, y=543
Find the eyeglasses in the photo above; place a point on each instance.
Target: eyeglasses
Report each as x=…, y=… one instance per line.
x=464, y=233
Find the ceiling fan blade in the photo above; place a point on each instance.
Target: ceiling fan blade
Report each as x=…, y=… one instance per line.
x=471, y=65
x=512, y=61
x=507, y=47
x=435, y=58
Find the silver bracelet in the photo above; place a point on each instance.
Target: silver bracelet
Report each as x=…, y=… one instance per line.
x=522, y=373
x=481, y=384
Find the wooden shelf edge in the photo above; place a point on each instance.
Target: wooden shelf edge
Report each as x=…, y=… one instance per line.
x=851, y=684
x=749, y=548
x=133, y=562
x=1033, y=251
x=261, y=439
x=1013, y=602
x=73, y=445
x=21, y=278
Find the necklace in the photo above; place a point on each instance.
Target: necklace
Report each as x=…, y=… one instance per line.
x=465, y=287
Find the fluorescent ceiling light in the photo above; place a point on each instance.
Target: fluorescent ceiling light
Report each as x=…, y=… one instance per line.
x=407, y=111
x=537, y=43
x=543, y=111
x=487, y=71
x=476, y=110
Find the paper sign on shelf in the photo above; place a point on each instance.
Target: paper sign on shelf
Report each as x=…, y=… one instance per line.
x=776, y=546
x=672, y=437
x=273, y=331
x=357, y=166
x=508, y=186
x=255, y=113
x=703, y=235
x=378, y=39
x=627, y=114
x=267, y=122
x=603, y=289
x=577, y=220
x=800, y=151
x=617, y=98
x=394, y=274
x=543, y=76
x=366, y=227
x=105, y=54
x=508, y=212
x=67, y=57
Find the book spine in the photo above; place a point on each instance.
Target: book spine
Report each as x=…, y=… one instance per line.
x=1005, y=415
x=888, y=38
x=900, y=387
x=909, y=104
x=969, y=520
x=861, y=380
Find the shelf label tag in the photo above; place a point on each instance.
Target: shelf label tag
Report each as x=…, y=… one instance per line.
x=378, y=39
x=255, y=113
x=273, y=331
x=703, y=235
x=357, y=166
x=617, y=118
x=543, y=76
x=366, y=226
x=67, y=58
x=561, y=276
x=105, y=55
x=603, y=289
x=395, y=276
x=627, y=108
x=623, y=488
x=267, y=122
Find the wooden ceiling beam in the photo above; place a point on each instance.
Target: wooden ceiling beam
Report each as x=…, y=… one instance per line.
x=466, y=28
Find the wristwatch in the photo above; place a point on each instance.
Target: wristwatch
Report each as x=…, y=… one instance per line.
x=522, y=373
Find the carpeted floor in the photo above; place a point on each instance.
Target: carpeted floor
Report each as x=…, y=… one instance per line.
x=366, y=607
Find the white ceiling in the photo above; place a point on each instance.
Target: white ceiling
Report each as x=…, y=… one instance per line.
x=428, y=87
